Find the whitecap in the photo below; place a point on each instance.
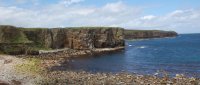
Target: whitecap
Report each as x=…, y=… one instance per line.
x=142, y=47
x=130, y=45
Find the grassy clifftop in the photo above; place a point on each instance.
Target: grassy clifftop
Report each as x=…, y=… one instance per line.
x=140, y=34
x=9, y=34
x=136, y=31
x=56, y=38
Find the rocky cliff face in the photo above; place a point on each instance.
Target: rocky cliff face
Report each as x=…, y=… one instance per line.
x=94, y=38
x=56, y=38
x=76, y=38
x=9, y=34
x=142, y=34
x=20, y=40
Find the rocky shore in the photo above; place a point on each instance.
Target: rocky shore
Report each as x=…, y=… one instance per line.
x=9, y=74
x=84, y=78
x=33, y=71
x=67, y=53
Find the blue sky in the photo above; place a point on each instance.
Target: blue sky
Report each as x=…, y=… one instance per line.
x=182, y=16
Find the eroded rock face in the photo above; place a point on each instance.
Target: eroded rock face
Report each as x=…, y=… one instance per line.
x=94, y=38
x=77, y=38
x=80, y=39
x=12, y=40
x=41, y=37
x=10, y=34
x=56, y=38
x=142, y=34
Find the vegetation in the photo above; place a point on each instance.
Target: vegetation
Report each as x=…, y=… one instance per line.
x=31, y=66
x=31, y=29
x=20, y=38
x=12, y=50
x=93, y=28
x=134, y=31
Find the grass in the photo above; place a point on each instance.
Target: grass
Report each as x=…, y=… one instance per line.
x=92, y=27
x=134, y=31
x=10, y=50
x=31, y=29
x=13, y=35
x=31, y=66
x=20, y=38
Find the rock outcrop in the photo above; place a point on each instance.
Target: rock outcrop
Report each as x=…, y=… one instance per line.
x=10, y=34
x=79, y=38
x=143, y=34
x=76, y=38
x=17, y=40
x=94, y=38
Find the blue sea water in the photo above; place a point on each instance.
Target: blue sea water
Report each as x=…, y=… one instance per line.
x=179, y=55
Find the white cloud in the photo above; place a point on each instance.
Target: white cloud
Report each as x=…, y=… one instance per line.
x=69, y=2
x=18, y=2
x=148, y=17
x=114, y=7
x=179, y=20
x=25, y=1
x=111, y=14
x=74, y=15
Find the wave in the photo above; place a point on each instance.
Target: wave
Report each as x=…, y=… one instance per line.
x=142, y=47
x=130, y=45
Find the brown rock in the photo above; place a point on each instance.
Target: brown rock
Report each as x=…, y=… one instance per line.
x=3, y=83
x=142, y=34
x=30, y=40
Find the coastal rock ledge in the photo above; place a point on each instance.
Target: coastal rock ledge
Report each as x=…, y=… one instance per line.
x=18, y=40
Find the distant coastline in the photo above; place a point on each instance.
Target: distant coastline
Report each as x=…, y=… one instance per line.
x=146, y=34
x=19, y=40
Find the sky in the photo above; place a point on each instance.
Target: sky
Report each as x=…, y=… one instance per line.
x=182, y=16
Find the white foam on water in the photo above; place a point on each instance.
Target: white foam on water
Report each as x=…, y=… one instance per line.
x=130, y=45
x=142, y=47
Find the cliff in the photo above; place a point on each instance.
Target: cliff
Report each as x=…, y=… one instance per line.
x=17, y=40
x=14, y=40
x=143, y=34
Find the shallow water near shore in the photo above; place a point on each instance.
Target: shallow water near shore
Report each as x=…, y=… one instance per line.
x=179, y=55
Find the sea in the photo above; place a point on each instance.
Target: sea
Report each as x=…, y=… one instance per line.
x=176, y=55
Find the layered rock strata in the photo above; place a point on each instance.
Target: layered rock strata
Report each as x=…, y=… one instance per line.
x=79, y=38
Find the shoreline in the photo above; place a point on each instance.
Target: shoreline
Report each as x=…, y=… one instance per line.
x=81, y=77
x=95, y=50
x=51, y=58
x=67, y=53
